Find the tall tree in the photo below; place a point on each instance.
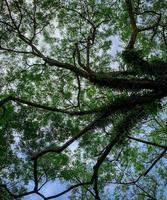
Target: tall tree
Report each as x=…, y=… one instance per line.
x=83, y=98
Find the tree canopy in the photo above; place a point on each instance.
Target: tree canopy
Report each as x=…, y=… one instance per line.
x=83, y=98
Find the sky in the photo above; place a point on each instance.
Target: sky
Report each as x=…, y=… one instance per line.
x=51, y=188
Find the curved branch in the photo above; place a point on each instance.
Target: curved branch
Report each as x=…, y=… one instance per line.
x=69, y=189
x=15, y=196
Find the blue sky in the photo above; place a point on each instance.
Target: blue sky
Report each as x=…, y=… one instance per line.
x=51, y=188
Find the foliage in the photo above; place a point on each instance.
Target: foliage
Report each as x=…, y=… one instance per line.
x=83, y=98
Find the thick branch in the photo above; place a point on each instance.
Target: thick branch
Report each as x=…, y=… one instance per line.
x=133, y=24
x=119, y=131
x=119, y=105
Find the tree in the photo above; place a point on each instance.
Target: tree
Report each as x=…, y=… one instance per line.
x=74, y=109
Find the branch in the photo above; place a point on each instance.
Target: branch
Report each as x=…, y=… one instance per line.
x=108, y=80
x=8, y=191
x=96, y=188
x=69, y=189
x=47, y=108
x=147, y=142
x=152, y=26
x=129, y=84
x=16, y=195
x=79, y=91
x=70, y=141
x=35, y=171
x=120, y=130
x=34, y=21
x=163, y=35
x=86, y=68
x=131, y=14
x=119, y=105
x=87, y=188
x=152, y=198
x=133, y=25
x=105, y=80
x=14, y=50
x=155, y=161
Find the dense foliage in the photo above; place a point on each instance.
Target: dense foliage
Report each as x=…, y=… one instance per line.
x=83, y=99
